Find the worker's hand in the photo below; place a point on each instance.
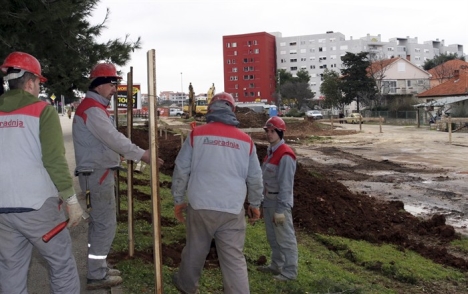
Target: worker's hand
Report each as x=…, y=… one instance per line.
x=279, y=219
x=146, y=158
x=179, y=211
x=75, y=212
x=160, y=161
x=254, y=214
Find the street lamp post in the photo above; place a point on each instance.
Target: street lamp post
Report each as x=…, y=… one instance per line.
x=182, y=89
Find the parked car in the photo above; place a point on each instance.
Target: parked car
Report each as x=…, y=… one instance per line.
x=175, y=112
x=314, y=113
x=354, y=118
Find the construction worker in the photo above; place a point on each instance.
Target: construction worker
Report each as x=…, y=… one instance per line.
x=34, y=180
x=98, y=146
x=217, y=165
x=279, y=167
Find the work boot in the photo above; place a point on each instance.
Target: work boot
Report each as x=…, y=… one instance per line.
x=268, y=269
x=175, y=282
x=113, y=272
x=107, y=282
x=281, y=278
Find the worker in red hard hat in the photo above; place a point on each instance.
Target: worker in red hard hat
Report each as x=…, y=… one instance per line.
x=98, y=147
x=279, y=167
x=34, y=181
x=217, y=166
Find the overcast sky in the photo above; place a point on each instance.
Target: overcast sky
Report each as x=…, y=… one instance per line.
x=187, y=34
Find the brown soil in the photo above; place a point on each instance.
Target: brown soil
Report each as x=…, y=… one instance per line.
x=324, y=205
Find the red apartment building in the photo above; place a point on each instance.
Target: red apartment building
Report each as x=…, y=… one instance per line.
x=250, y=67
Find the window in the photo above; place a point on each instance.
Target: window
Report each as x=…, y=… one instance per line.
x=426, y=50
x=293, y=67
x=257, y=51
x=251, y=85
x=323, y=66
x=293, y=60
x=292, y=51
x=302, y=42
x=303, y=67
x=312, y=50
x=322, y=49
x=389, y=87
x=333, y=57
x=255, y=42
x=233, y=61
x=332, y=48
x=283, y=60
x=303, y=50
x=312, y=67
x=314, y=75
x=303, y=59
x=229, y=61
x=390, y=49
x=312, y=58
x=332, y=40
x=282, y=52
x=246, y=68
x=234, y=69
x=235, y=52
x=249, y=43
x=282, y=44
x=321, y=40
x=236, y=86
x=234, y=44
x=344, y=47
x=292, y=44
x=322, y=58
x=246, y=60
x=417, y=50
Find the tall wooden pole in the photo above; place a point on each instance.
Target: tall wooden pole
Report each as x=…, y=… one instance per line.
x=131, y=235
x=153, y=129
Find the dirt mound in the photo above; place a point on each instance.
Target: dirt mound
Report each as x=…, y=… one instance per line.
x=323, y=205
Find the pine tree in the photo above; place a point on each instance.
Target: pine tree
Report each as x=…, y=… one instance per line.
x=59, y=35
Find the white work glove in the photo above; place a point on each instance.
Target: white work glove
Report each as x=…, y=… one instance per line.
x=278, y=219
x=75, y=212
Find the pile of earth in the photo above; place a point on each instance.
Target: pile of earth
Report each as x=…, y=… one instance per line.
x=322, y=205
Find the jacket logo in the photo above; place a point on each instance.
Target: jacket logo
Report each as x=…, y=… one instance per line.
x=12, y=123
x=221, y=143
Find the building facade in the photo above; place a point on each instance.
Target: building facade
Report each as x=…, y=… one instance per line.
x=250, y=74
x=249, y=63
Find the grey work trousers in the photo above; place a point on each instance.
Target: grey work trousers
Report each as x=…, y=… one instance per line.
x=228, y=231
x=19, y=233
x=102, y=221
x=283, y=243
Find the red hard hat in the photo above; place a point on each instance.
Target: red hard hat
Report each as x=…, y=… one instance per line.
x=24, y=61
x=223, y=96
x=276, y=123
x=104, y=70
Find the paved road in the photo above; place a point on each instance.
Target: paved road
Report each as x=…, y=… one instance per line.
x=38, y=280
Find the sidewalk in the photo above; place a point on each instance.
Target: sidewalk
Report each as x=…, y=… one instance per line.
x=38, y=278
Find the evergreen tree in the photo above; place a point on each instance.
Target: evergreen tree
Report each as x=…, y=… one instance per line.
x=356, y=84
x=59, y=35
x=440, y=59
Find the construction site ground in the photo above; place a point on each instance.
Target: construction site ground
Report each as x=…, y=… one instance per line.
x=356, y=181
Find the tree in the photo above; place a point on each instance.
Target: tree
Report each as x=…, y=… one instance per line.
x=440, y=59
x=58, y=34
x=331, y=89
x=356, y=85
x=295, y=91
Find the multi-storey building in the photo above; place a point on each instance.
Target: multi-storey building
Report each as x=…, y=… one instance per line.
x=318, y=52
x=250, y=66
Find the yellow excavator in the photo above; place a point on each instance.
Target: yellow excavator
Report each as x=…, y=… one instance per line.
x=198, y=108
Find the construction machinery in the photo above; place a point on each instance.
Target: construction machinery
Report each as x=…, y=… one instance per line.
x=198, y=107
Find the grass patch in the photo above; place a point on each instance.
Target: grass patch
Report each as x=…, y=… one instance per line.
x=327, y=264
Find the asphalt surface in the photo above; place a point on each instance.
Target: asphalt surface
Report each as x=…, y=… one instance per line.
x=38, y=278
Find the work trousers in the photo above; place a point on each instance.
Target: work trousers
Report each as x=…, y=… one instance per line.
x=102, y=221
x=283, y=243
x=228, y=231
x=19, y=233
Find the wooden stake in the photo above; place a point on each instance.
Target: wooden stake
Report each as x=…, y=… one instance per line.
x=131, y=235
x=153, y=126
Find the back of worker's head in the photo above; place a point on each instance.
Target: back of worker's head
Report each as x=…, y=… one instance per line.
x=19, y=68
x=222, y=100
x=103, y=73
x=276, y=123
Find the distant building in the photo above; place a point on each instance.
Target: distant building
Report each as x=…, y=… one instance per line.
x=253, y=78
x=250, y=67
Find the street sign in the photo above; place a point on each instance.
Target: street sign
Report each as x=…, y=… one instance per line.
x=52, y=97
